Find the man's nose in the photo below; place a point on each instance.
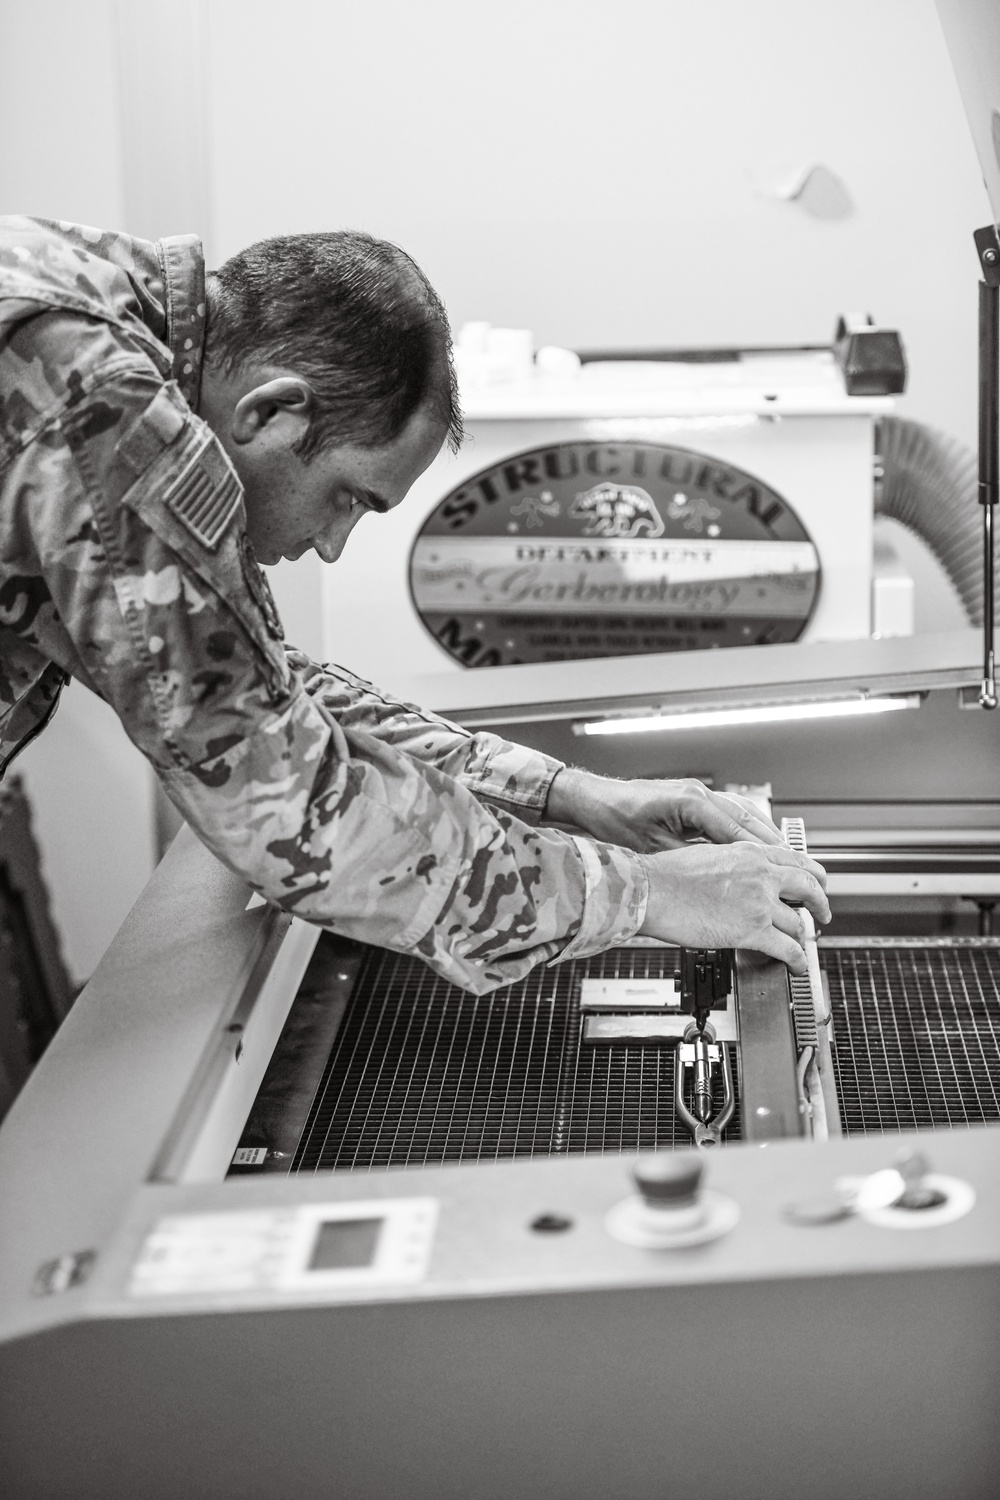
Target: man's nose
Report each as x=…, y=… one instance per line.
x=330, y=545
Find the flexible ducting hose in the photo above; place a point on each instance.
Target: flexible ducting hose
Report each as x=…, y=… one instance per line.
x=930, y=485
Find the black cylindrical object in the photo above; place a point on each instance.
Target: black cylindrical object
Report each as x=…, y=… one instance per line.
x=989, y=391
x=989, y=458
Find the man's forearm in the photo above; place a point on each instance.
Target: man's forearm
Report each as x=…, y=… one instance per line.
x=498, y=771
x=358, y=838
x=597, y=805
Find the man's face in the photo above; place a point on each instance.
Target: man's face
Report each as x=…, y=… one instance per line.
x=294, y=505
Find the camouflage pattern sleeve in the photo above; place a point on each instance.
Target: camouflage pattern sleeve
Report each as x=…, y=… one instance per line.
x=126, y=524
x=506, y=775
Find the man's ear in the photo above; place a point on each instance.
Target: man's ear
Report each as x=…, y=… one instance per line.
x=284, y=403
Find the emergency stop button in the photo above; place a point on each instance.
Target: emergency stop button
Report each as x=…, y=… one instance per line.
x=668, y=1179
x=670, y=1211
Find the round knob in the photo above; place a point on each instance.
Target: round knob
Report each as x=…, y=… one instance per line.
x=913, y=1168
x=668, y=1179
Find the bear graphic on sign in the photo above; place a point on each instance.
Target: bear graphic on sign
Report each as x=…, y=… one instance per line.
x=617, y=510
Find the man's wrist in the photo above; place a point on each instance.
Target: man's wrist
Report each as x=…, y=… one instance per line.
x=570, y=795
x=617, y=889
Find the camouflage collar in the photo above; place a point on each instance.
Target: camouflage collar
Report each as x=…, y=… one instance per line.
x=184, y=273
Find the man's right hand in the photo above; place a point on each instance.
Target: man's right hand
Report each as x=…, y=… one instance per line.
x=733, y=896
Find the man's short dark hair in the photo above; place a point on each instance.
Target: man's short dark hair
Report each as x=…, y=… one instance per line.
x=353, y=315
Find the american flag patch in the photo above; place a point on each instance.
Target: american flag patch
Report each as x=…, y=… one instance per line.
x=205, y=496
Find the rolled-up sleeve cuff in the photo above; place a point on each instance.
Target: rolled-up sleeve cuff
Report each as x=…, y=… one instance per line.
x=617, y=889
x=516, y=779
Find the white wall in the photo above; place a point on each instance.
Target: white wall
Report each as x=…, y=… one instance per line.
x=60, y=149
x=91, y=794
x=597, y=169
x=60, y=154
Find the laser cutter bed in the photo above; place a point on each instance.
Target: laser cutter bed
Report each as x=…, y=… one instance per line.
x=384, y=1064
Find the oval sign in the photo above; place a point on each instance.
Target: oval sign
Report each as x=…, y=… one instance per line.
x=610, y=549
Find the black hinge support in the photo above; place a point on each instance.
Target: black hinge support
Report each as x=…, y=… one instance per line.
x=988, y=248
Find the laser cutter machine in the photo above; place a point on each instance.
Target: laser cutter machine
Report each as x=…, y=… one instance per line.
x=283, y=1214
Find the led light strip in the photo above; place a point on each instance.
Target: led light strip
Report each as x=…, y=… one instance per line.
x=775, y=713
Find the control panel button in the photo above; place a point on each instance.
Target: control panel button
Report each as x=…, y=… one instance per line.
x=668, y=1179
x=670, y=1211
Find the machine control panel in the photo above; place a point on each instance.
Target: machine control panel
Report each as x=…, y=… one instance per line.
x=377, y=1248
x=301, y=1251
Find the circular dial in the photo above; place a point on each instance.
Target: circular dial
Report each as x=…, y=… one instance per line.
x=584, y=549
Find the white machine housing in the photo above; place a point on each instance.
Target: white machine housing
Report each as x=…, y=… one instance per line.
x=784, y=419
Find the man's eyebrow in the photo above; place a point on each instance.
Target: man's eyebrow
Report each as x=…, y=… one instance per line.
x=375, y=502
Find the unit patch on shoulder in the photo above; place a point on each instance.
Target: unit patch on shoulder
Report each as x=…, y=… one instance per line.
x=206, y=495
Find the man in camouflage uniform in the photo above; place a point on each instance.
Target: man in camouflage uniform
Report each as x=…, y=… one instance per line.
x=141, y=479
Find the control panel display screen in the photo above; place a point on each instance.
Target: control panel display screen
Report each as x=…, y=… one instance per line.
x=302, y=1250
x=343, y=1244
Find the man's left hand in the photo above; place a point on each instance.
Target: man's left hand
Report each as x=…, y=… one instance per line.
x=652, y=815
